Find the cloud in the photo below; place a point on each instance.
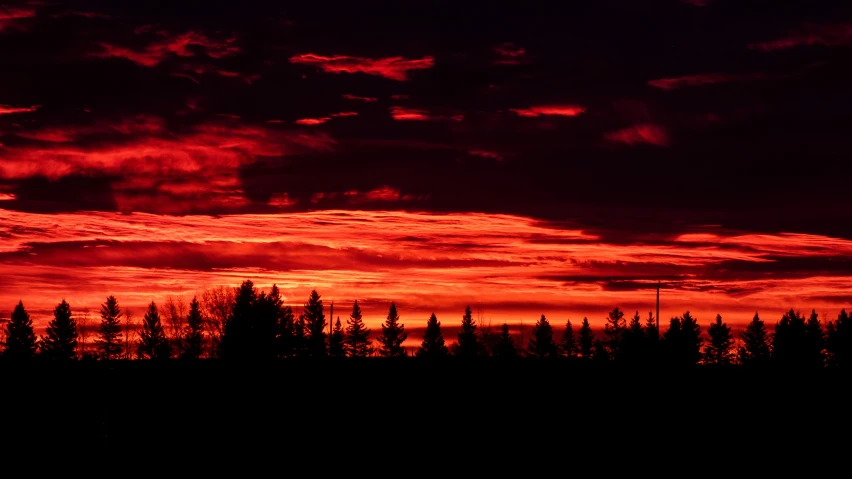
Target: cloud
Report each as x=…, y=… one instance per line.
x=10, y=17
x=401, y=113
x=423, y=261
x=166, y=45
x=393, y=68
x=702, y=79
x=509, y=54
x=557, y=110
x=324, y=119
x=645, y=133
x=486, y=154
x=367, y=99
x=152, y=168
x=9, y=110
x=809, y=35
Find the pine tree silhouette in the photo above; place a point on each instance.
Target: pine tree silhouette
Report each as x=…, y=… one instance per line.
x=109, y=331
x=393, y=335
x=237, y=334
x=633, y=340
x=720, y=348
x=315, y=326
x=433, y=346
x=468, y=342
x=755, y=348
x=20, y=337
x=153, y=341
x=652, y=338
x=838, y=342
x=815, y=337
x=568, y=343
x=586, y=341
x=614, y=332
x=790, y=340
x=337, y=341
x=541, y=343
x=300, y=341
x=505, y=345
x=600, y=352
x=60, y=344
x=193, y=336
x=286, y=332
x=357, y=335
x=691, y=339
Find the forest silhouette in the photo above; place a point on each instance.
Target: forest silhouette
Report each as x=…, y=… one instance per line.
x=247, y=324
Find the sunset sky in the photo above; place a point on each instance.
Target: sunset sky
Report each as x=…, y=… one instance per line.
x=524, y=159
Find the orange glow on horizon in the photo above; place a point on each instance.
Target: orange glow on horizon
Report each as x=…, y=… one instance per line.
x=512, y=268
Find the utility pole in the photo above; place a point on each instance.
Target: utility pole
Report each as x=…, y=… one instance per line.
x=658, y=309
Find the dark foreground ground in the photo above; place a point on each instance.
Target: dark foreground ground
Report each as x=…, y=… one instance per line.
x=414, y=405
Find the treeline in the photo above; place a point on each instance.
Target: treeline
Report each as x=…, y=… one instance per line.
x=246, y=324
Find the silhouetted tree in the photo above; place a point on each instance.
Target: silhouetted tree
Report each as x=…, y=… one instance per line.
x=286, y=332
x=315, y=327
x=586, y=341
x=175, y=313
x=652, y=338
x=720, y=347
x=193, y=335
x=337, y=341
x=468, y=342
x=755, y=347
x=20, y=337
x=236, y=336
x=614, y=332
x=790, y=341
x=433, y=346
x=109, y=331
x=393, y=335
x=815, y=341
x=300, y=341
x=633, y=340
x=838, y=341
x=265, y=324
x=541, y=343
x=60, y=343
x=683, y=340
x=357, y=335
x=568, y=343
x=217, y=303
x=153, y=341
x=600, y=352
x=505, y=345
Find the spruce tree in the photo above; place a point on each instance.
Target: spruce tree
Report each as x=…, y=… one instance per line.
x=237, y=334
x=193, y=336
x=433, y=346
x=265, y=325
x=20, y=337
x=108, y=341
x=315, y=326
x=286, y=332
x=601, y=352
x=755, y=347
x=393, y=335
x=568, y=343
x=153, y=341
x=720, y=348
x=337, y=341
x=300, y=342
x=838, y=341
x=60, y=344
x=815, y=357
x=357, y=335
x=652, y=338
x=505, y=345
x=790, y=340
x=586, y=340
x=614, y=331
x=468, y=342
x=541, y=343
x=633, y=340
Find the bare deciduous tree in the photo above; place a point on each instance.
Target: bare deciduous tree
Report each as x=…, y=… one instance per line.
x=175, y=312
x=216, y=303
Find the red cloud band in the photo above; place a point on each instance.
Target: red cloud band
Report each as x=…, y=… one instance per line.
x=394, y=68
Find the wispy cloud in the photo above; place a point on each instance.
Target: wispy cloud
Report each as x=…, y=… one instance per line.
x=393, y=68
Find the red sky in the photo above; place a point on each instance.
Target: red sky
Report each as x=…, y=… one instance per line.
x=524, y=164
